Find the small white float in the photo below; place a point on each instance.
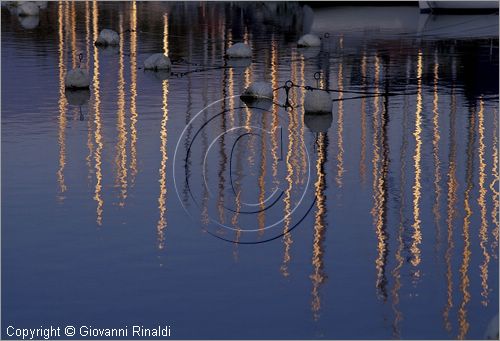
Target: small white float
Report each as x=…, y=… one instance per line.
x=309, y=40
x=157, y=61
x=258, y=90
x=29, y=22
x=77, y=79
x=108, y=37
x=27, y=8
x=239, y=50
x=317, y=102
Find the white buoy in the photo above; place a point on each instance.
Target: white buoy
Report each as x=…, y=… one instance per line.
x=29, y=22
x=492, y=329
x=77, y=79
x=317, y=102
x=309, y=40
x=157, y=61
x=27, y=8
x=239, y=50
x=108, y=37
x=318, y=123
x=258, y=90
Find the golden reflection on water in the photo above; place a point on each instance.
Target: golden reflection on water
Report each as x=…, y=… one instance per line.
x=275, y=120
x=165, y=34
x=290, y=170
x=74, y=51
x=494, y=188
x=121, y=146
x=396, y=272
x=162, y=222
x=300, y=100
x=464, y=268
x=435, y=151
x=162, y=199
x=417, y=234
x=261, y=216
x=97, y=118
x=340, y=126
x=133, y=93
x=87, y=34
x=90, y=143
x=378, y=193
x=362, y=159
x=318, y=276
x=452, y=184
x=483, y=231
x=62, y=107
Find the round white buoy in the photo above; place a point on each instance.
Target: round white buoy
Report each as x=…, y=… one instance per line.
x=108, y=37
x=77, y=79
x=492, y=329
x=258, y=90
x=318, y=123
x=309, y=40
x=157, y=61
x=239, y=50
x=317, y=102
x=29, y=22
x=27, y=8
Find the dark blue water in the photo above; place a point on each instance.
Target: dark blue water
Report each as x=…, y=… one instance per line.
x=164, y=200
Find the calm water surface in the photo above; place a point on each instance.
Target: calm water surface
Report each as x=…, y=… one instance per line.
x=381, y=220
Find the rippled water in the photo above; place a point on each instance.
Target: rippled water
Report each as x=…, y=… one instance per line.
x=379, y=221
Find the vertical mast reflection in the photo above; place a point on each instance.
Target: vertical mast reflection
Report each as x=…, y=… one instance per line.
x=483, y=231
x=292, y=131
x=97, y=117
x=494, y=188
x=340, y=125
x=133, y=93
x=62, y=106
x=417, y=234
x=464, y=268
x=90, y=143
x=435, y=152
x=362, y=159
x=451, y=212
x=162, y=221
x=121, y=147
x=396, y=272
x=318, y=276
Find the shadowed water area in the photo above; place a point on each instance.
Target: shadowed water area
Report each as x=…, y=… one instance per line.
x=161, y=198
